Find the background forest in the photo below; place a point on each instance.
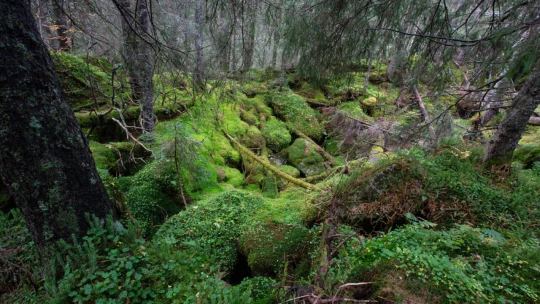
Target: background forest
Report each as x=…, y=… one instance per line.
x=276, y=151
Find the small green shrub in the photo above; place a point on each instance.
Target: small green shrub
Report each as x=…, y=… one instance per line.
x=461, y=264
x=111, y=265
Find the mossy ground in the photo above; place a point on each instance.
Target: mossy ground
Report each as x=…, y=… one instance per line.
x=238, y=212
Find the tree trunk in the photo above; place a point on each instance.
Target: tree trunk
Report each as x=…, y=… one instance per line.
x=501, y=148
x=130, y=46
x=139, y=59
x=64, y=41
x=198, y=75
x=370, y=64
x=277, y=35
x=249, y=34
x=425, y=116
x=44, y=160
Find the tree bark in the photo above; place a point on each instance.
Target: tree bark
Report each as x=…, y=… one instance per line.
x=139, y=58
x=425, y=116
x=198, y=75
x=501, y=148
x=44, y=157
x=277, y=34
x=64, y=41
x=249, y=34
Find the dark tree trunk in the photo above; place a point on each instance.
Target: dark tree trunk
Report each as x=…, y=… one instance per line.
x=198, y=75
x=248, y=36
x=277, y=35
x=130, y=47
x=44, y=157
x=139, y=59
x=64, y=41
x=145, y=64
x=501, y=148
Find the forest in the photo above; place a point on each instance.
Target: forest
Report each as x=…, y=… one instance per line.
x=269, y=151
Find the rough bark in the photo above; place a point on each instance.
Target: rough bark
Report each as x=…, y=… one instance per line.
x=277, y=35
x=250, y=10
x=139, y=58
x=501, y=148
x=44, y=157
x=198, y=75
x=425, y=116
x=129, y=48
x=64, y=41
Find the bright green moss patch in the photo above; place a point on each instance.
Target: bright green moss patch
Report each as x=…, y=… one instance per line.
x=294, y=110
x=528, y=154
x=211, y=226
x=303, y=155
x=276, y=134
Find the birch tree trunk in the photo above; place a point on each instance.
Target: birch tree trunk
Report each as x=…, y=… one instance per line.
x=198, y=75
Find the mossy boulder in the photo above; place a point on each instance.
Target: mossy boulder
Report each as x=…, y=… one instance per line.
x=303, y=155
x=231, y=176
x=270, y=246
x=528, y=154
x=253, y=138
x=154, y=195
x=211, y=227
x=276, y=134
x=273, y=184
x=297, y=114
x=370, y=101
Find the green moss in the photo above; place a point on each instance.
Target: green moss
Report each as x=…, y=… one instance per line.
x=81, y=81
x=154, y=195
x=269, y=246
x=528, y=154
x=253, y=138
x=304, y=157
x=231, y=176
x=294, y=110
x=276, y=134
x=211, y=226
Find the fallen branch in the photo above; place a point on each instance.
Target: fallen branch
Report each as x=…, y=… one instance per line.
x=129, y=136
x=269, y=166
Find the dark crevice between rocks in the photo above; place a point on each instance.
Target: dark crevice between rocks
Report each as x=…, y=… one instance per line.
x=240, y=271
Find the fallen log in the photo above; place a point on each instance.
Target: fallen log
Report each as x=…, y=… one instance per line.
x=270, y=167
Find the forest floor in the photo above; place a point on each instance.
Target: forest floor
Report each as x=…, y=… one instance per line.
x=248, y=193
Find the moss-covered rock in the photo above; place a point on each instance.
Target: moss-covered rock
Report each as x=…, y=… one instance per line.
x=82, y=81
x=276, y=134
x=294, y=110
x=211, y=226
x=253, y=138
x=303, y=155
x=154, y=195
x=370, y=101
x=231, y=176
x=528, y=154
x=269, y=246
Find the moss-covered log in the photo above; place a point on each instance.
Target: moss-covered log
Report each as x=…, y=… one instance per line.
x=271, y=168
